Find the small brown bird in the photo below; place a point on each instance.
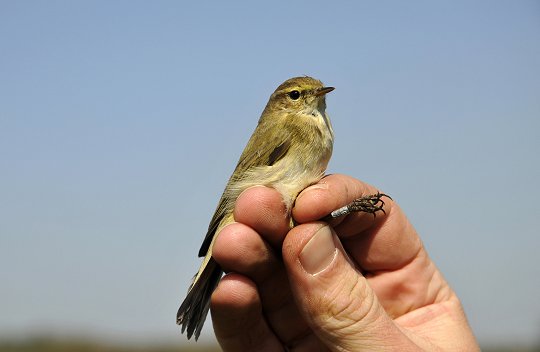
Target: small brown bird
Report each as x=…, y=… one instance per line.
x=289, y=150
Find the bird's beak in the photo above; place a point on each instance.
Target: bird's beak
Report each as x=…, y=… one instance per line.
x=323, y=91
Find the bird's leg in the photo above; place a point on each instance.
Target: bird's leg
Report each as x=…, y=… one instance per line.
x=367, y=204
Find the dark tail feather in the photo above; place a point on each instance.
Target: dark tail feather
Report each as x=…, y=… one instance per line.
x=193, y=311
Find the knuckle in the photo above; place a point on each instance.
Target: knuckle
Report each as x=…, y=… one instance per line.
x=347, y=308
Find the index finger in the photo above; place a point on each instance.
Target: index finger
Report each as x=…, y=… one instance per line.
x=384, y=242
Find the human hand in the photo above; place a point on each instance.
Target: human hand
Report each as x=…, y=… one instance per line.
x=368, y=286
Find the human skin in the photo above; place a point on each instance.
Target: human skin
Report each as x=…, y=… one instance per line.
x=360, y=283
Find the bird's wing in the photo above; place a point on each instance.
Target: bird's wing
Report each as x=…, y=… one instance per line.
x=272, y=145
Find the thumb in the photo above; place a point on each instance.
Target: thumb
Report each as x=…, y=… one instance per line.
x=333, y=296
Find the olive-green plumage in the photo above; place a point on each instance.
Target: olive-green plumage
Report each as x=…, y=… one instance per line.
x=289, y=150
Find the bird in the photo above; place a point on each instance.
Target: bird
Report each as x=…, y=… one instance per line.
x=288, y=151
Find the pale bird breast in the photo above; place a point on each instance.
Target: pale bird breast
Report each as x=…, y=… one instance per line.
x=306, y=162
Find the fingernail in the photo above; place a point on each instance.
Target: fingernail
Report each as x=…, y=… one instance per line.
x=319, y=252
x=312, y=187
x=251, y=187
x=247, y=189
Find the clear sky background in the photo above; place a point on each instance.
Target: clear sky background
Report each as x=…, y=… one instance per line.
x=121, y=121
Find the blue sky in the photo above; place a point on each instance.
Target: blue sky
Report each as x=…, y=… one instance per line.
x=120, y=123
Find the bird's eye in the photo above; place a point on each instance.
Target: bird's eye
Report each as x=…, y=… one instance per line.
x=294, y=95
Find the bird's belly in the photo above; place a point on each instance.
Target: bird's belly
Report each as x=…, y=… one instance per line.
x=289, y=179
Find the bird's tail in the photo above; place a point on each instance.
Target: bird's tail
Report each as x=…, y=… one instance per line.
x=194, y=309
